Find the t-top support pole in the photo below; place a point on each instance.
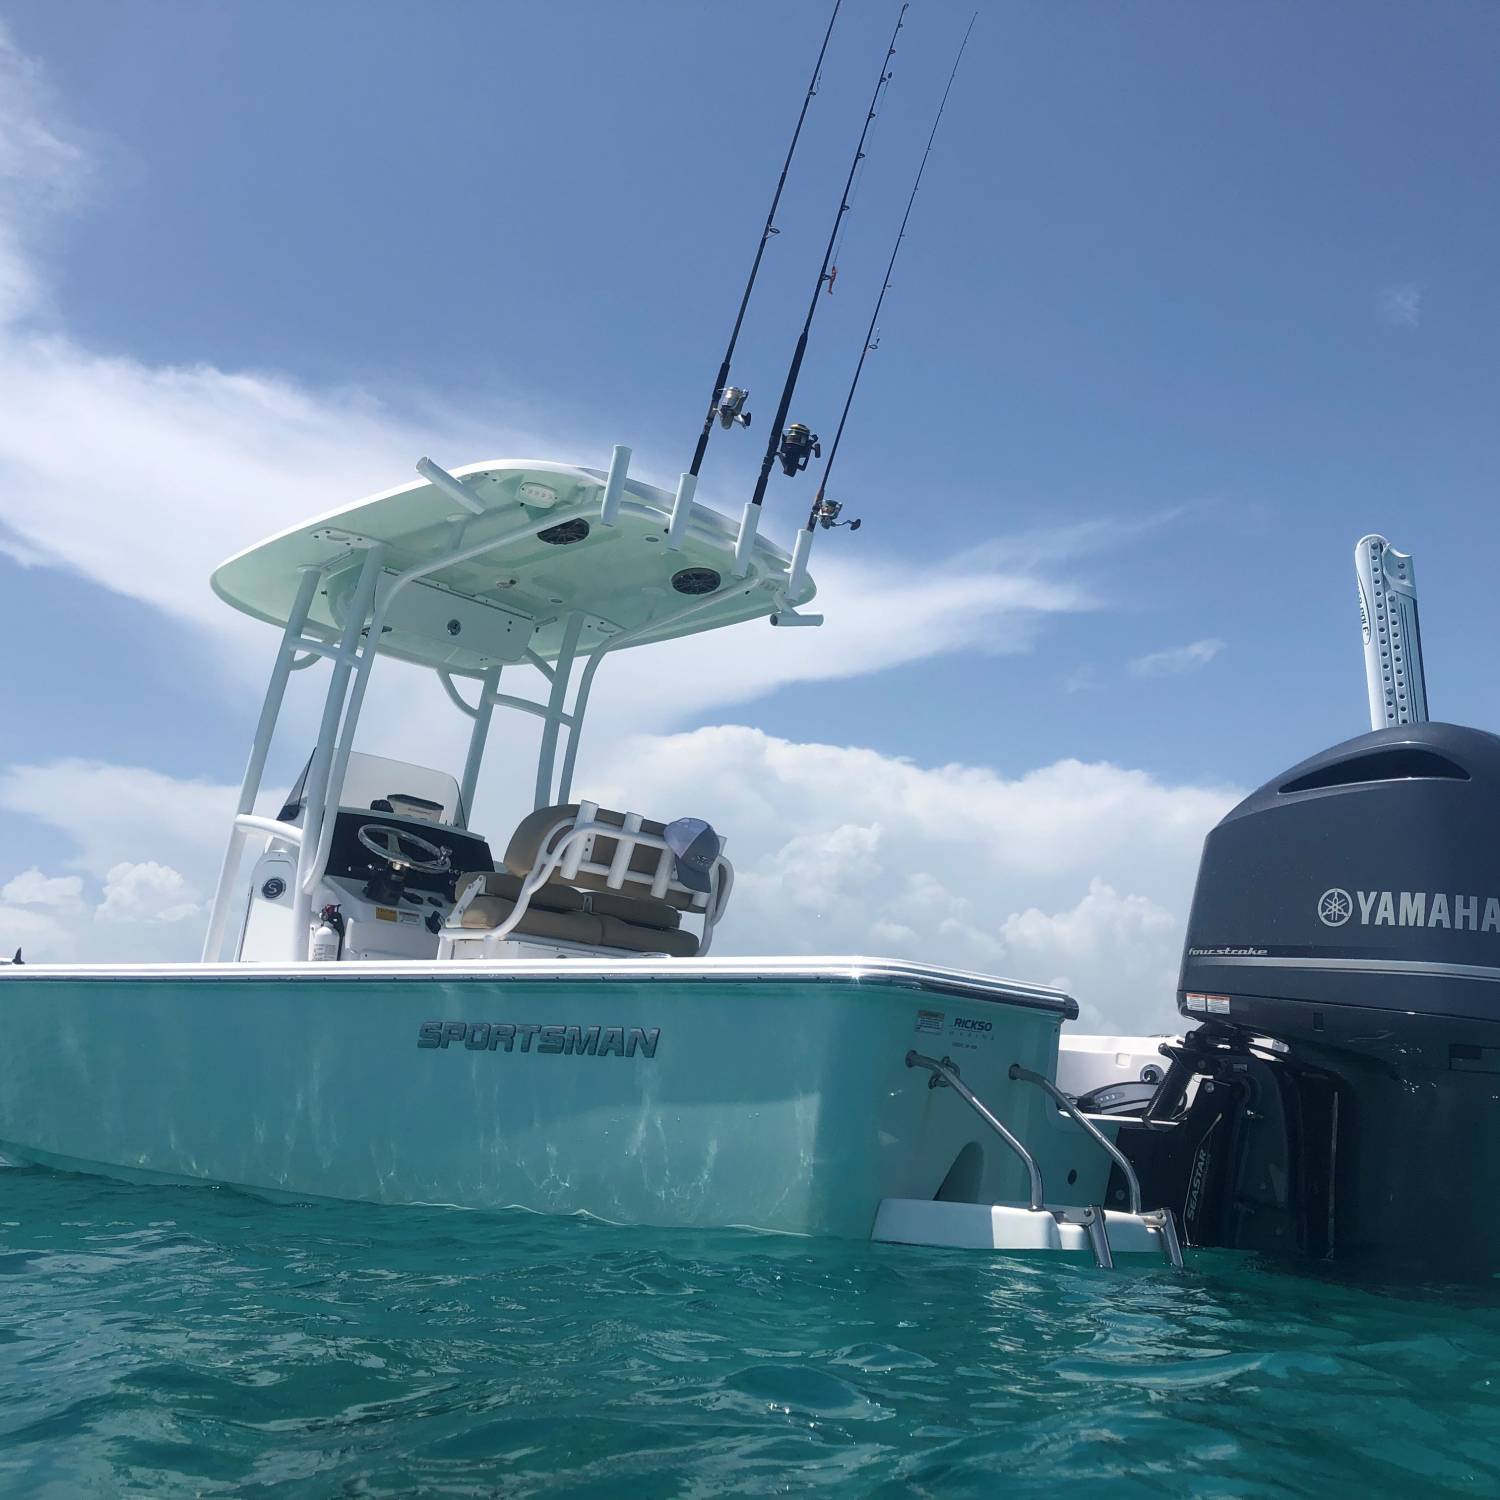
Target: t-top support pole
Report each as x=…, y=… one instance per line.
x=315, y=794
x=270, y=712
x=562, y=671
x=483, y=712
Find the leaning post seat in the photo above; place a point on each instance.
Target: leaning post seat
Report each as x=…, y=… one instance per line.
x=578, y=873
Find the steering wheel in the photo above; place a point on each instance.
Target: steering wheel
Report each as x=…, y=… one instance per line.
x=392, y=845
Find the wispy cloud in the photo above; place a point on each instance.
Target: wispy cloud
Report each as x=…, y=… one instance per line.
x=1072, y=540
x=1400, y=306
x=1177, y=660
x=41, y=172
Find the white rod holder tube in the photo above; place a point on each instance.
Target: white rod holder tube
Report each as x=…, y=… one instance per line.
x=614, y=485
x=455, y=489
x=787, y=616
x=797, y=574
x=682, y=507
x=744, y=543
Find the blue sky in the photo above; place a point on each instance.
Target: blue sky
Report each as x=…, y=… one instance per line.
x=1193, y=297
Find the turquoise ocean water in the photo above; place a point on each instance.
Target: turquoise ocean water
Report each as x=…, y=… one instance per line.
x=196, y=1341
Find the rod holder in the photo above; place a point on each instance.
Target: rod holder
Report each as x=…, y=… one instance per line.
x=614, y=485
x=744, y=543
x=797, y=573
x=786, y=617
x=455, y=489
x=682, y=506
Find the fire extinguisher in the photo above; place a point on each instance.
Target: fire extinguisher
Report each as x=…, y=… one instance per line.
x=328, y=937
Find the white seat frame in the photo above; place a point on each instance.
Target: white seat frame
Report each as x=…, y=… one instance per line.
x=568, y=848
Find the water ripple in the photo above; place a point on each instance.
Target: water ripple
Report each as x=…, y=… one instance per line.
x=177, y=1342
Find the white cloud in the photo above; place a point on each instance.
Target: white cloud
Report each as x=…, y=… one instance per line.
x=145, y=846
x=1179, y=659
x=1118, y=954
x=1075, y=872
x=878, y=615
x=1400, y=306
x=23, y=927
x=199, y=462
x=41, y=170
x=146, y=892
x=32, y=888
x=122, y=814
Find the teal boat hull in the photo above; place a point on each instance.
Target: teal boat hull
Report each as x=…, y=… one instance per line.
x=709, y=1093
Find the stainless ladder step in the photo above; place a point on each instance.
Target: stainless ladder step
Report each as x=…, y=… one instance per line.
x=1092, y=1219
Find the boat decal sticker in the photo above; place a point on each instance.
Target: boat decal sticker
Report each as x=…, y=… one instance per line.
x=929, y=1020
x=1218, y=1005
x=531, y=1036
x=970, y=1033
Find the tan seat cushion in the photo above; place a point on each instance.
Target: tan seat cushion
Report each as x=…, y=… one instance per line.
x=485, y=913
x=641, y=911
x=526, y=844
x=678, y=944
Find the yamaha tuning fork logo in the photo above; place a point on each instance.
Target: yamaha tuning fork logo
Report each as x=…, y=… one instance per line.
x=1456, y=913
x=1335, y=906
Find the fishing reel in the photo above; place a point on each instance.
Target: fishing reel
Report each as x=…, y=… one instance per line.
x=729, y=408
x=826, y=514
x=799, y=446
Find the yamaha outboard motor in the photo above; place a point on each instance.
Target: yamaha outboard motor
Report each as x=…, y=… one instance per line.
x=1343, y=957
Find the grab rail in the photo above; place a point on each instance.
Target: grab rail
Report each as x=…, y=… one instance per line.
x=1025, y=1075
x=1092, y=1220
x=254, y=823
x=945, y=1072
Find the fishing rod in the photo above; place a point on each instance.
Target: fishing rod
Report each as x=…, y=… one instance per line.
x=796, y=445
x=726, y=403
x=825, y=512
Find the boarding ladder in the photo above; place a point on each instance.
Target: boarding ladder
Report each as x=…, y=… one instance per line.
x=1092, y=1219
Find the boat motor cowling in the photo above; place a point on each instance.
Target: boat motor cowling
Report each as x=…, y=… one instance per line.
x=1366, y=877
x=1343, y=953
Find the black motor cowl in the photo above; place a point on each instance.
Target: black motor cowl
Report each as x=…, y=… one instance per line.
x=1368, y=876
x=1344, y=939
